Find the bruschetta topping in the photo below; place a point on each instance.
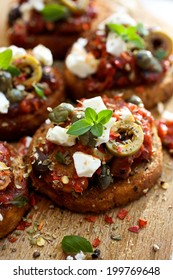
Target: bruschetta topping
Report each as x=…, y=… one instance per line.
x=123, y=54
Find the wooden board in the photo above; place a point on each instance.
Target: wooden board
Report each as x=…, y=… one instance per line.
x=156, y=206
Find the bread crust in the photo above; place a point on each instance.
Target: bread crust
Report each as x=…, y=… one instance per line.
x=151, y=95
x=11, y=214
x=93, y=199
x=11, y=128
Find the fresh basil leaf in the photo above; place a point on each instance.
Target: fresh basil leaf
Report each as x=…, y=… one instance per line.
x=136, y=40
x=39, y=91
x=5, y=58
x=75, y=244
x=79, y=127
x=160, y=54
x=104, y=116
x=13, y=70
x=117, y=28
x=90, y=115
x=18, y=201
x=54, y=12
x=97, y=130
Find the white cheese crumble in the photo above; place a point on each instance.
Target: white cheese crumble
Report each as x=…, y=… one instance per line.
x=115, y=44
x=85, y=165
x=95, y=103
x=26, y=7
x=117, y=18
x=1, y=217
x=80, y=256
x=79, y=61
x=16, y=51
x=167, y=115
x=126, y=114
x=59, y=136
x=43, y=54
x=4, y=103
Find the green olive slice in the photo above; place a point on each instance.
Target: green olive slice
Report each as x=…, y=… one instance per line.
x=157, y=40
x=32, y=65
x=130, y=140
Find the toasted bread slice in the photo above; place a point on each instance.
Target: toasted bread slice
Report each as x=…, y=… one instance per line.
x=151, y=95
x=122, y=191
x=14, y=199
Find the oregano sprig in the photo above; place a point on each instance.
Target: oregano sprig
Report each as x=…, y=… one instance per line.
x=92, y=121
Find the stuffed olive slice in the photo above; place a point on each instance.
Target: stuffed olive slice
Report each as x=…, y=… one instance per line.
x=128, y=138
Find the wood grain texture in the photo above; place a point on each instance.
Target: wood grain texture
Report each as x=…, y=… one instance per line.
x=156, y=206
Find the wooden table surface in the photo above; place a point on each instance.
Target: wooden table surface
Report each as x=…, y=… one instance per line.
x=156, y=206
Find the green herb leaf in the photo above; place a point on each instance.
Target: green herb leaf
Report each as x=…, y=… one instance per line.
x=90, y=115
x=104, y=116
x=13, y=70
x=54, y=12
x=97, y=130
x=39, y=91
x=75, y=244
x=79, y=128
x=128, y=34
x=5, y=58
x=18, y=201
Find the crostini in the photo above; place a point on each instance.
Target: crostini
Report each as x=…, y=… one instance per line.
x=55, y=24
x=14, y=198
x=102, y=153
x=28, y=85
x=121, y=55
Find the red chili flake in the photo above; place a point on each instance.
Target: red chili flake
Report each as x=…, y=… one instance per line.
x=96, y=242
x=108, y=219
x=122, y=214
x=23, y=225
x=91, y=219
x=142, y=223
x=134, y=229
x=12, y=238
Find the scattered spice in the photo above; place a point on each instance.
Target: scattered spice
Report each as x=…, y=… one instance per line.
x=96, y=254
x=164, y=185
x=12, y=238
x=41, y=241
x=134, y=229
x=91, y=219
x=142, y=223
x=40, y=226
x=108, y=219
x=156, y=247
x=122, y=214
x=117, y=237
x=96, y=242
x=36, y=254
x=23, y=224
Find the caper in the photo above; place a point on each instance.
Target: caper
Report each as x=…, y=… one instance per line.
x=61, y=113
x=78, y=116
x=104, y=179
x=157, y=40
x=5, y=81
x=88, y=139
x=135, y=100
x=130, y=139
x=14, y=95
x=147, y=61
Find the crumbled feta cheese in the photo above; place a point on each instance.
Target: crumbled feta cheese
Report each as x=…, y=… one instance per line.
x=69, y=258
x=115, y=44
x=95, y=103
x=80, y=62
x=1, y=217
x=167, y=115
x=43, y=54
x=80, y=256
x=26, y=7
x=4, y=103
x=59, y=136
x=16, y=51
x=104, y=138
x=85, y=165
x=117, y=18
x=126, y=114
